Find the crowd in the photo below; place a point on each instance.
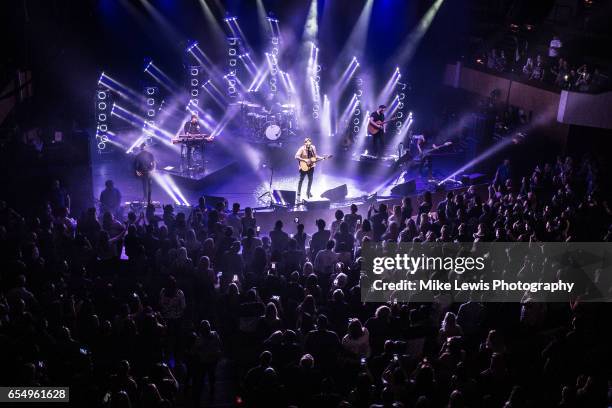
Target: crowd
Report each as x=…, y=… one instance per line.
x=553, y=69
x=145, y=312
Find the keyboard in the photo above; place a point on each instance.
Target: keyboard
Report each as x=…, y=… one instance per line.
x=189, y=138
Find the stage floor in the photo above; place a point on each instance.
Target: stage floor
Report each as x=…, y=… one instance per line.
x=242, y=173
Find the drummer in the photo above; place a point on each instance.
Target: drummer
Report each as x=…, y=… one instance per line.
x=271, y=106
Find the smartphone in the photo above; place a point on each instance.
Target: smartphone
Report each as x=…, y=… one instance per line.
x=296, y=220
x=363, y=361
x=258, y=229
x=273, y=266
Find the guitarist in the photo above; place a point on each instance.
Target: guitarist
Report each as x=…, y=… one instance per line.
x=424, y=154
x=377, y=119
x=306, y=154
x=144, y=164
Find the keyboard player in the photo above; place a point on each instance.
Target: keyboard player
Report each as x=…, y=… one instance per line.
x=192, y=128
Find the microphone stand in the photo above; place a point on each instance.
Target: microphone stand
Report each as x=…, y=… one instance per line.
x=269, y=192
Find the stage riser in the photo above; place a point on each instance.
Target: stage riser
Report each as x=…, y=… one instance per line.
x=214, y=177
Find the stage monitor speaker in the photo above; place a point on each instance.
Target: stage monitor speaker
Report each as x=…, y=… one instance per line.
x=472, y=179
x=283, y=197
x=318, y=205
x=336, y=194
x=404, y=189
x=212, y=201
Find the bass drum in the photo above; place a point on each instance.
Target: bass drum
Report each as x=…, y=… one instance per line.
x=272, y=131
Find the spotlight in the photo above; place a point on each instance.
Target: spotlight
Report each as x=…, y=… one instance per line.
x=102, y=117
x=102, y=106
x=101, y=95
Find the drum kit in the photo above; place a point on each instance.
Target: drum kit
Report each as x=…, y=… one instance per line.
x=272, y=124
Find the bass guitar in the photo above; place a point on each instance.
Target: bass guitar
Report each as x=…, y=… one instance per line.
x=310, y=163
x=426, y=153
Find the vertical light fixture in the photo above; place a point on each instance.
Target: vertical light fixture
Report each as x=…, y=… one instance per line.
x=103, y=113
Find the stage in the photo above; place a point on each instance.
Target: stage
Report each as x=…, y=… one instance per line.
x=244, y=172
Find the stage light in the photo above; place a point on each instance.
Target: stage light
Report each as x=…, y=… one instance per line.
x=311, y=27
x=193, y=84
x=161, y=181
x=485, y=155
x=326, y=123
x=233, y=49
x=175, y=189
x=356, y=42
x=236, y=32
x=202, y=60
x=346, y=77
x=389, y=87
x=119, y=89
x=150, y=107
x=102, y=140
x=410, y=44
x=212, y=21
x=191, y=46
x=169, y=32
x=214, y=93
x=148, y=126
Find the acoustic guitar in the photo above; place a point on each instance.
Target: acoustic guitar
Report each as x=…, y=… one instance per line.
x=310, y=163
x=374, y=130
